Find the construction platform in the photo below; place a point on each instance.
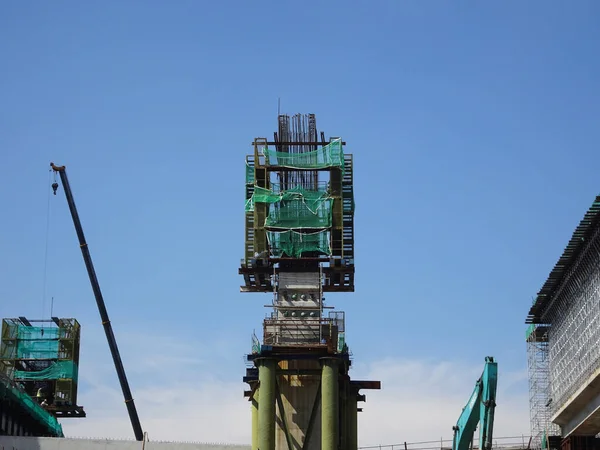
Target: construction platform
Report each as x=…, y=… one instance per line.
x=299, y=204
x=20, y=415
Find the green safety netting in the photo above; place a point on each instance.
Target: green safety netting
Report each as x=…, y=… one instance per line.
x=9, y=390
x=37, y=342
x=293, y=244
x=330, y=155
x=57, y=370
x=249, y=174
x=298, y=215
x=295, y=208
x=37, y=349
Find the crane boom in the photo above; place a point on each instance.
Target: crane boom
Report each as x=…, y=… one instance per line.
x=112, y=342
x=480, y=409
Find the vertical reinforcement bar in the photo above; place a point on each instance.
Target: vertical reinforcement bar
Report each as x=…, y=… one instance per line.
x=329, y=404
x=112, y=342
x=266, y=406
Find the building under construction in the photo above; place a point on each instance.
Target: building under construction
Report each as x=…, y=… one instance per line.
x=563, y=343
x=299, y=245
x=39, y=362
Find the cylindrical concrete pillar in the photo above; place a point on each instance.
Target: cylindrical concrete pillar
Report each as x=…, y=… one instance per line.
x=255, y=420
x=329, y=405
x=266, y=405
x=352, y=420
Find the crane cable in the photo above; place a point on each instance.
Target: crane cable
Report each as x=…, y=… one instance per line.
x=45, y=278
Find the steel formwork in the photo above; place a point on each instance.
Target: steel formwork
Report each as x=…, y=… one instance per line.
x=304, y=164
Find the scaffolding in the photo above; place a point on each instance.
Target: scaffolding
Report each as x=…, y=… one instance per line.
x=539, y=385
x=299, y=205
x=563, y=341
x=574, y=336
x=43, y=360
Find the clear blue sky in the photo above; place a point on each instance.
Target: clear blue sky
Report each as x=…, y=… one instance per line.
x=474, y=128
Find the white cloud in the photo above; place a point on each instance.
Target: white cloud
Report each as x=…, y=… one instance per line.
x=180, y=399
x=201, y=412
x=421, y=400
x=177, y=393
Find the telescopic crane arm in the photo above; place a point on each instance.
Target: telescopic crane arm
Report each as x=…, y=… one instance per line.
x=112, y=343
x=479, y=409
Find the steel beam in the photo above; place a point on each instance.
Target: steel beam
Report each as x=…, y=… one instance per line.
x=352, y=420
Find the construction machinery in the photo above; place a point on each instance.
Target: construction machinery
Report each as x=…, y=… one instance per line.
x=479, y=410
x=112, y=342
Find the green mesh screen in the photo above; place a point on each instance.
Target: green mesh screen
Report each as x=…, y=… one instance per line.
x=312, y=198
x=37, y=342
x=261, y=195
x=9, y=390
x=296, y=208
x=249, y=174
x=57, y=370
x=330, y=155
x=298, y=214
x=293, y=244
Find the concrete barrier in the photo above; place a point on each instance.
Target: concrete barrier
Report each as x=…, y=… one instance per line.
x=42, y=443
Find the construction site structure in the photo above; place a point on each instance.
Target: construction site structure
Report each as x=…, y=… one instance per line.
x=21, y=415
x=299, y=244
x=563, y=344
x=39, y=362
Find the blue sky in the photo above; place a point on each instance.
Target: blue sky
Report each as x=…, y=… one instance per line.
x=474, y=131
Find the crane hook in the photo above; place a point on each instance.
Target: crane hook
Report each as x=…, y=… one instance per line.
x=54, y=187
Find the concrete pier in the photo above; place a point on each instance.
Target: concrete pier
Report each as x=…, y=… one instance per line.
x=329, y=404
x=266, y=405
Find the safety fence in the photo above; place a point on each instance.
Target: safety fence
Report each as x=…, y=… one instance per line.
x=507, y=443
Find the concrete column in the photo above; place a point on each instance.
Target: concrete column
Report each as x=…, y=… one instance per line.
x=255, y=420
x=266, y=406
x=352, y=420
x=329, y=405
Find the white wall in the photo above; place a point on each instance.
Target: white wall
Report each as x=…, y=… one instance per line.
x=35, y=443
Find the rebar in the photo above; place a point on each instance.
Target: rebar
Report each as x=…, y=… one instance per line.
x=300, y=128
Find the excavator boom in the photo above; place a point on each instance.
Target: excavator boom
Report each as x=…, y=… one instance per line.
x=479, y=410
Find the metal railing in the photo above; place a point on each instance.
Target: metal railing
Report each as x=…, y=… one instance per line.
x=511, y=442
x=300, y=331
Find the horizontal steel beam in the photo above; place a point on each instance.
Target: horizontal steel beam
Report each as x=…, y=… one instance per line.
x=360, y=384
x=294, y=143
